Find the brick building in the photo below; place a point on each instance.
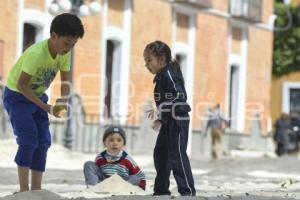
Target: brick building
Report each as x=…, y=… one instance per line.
x=224, y=47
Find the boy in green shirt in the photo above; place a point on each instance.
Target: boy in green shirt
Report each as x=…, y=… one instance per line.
x=25, y=99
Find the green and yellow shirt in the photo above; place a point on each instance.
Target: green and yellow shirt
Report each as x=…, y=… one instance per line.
x=38, y=62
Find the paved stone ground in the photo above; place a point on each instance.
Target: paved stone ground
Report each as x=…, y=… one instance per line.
x=227, y=178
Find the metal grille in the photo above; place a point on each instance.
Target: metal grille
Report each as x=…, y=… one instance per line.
x=250, y=10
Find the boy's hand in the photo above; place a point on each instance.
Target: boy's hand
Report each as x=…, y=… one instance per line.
x=60, y=108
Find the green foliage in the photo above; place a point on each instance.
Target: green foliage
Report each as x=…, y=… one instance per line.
x=286, y=54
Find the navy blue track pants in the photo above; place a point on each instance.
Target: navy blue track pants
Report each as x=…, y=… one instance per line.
x=170, y=155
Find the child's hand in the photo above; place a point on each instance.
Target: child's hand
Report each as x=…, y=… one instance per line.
x=156, y=125
x=59, y=110
x=152, y=114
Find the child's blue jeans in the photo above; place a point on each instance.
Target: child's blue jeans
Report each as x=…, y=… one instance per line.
x=94, y=175
x=31, y=127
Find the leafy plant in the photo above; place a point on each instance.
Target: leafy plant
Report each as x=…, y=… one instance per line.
x=286, y=52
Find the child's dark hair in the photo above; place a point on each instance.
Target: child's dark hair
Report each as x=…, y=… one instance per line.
x=161, y=49
x=67, y=24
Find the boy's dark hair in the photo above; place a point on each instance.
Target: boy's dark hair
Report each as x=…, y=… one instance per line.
x=161, y=49
x=67, y=24
x=114, y=129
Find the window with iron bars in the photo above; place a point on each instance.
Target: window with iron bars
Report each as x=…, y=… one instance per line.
x=250, y=10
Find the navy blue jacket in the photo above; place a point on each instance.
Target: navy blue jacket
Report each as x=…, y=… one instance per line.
x=169, y=93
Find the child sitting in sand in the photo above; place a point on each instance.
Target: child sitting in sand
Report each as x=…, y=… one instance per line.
x=113, y=160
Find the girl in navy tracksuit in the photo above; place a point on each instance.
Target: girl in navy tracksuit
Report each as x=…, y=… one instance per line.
x=170, y=98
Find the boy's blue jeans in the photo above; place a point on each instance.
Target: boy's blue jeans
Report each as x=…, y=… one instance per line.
x=31, y=126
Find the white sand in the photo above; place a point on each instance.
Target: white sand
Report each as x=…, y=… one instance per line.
x=61, y=158
x=34, y=195
x=266, y=174
x=116, y=185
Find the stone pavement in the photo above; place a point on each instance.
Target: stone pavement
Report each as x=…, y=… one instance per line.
x=227, y=178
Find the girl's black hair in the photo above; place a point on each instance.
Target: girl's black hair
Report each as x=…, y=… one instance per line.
x=67, y=24
x=161, y=49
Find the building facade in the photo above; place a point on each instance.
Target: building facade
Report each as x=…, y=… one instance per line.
x=224, y=48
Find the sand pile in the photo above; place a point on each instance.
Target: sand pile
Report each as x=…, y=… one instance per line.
x=117, y=186
x=34, y=195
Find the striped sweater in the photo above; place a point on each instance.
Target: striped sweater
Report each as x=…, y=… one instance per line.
x=121, y=164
